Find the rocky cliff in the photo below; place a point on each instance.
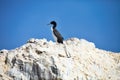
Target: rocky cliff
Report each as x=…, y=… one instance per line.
x=76, y=59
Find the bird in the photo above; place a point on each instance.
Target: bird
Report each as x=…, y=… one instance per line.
x=56, y=35
x=58, y=38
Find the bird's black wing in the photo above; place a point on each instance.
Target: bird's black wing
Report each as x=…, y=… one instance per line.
x=58, y=35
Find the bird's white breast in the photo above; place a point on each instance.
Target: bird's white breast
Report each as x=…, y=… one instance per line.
x=55, y=38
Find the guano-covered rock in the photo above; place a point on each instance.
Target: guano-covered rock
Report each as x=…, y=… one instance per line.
x=40, y=59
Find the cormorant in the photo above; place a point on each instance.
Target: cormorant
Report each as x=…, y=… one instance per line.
x=57, y=36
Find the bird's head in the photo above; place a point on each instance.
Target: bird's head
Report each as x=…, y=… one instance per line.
x=53, y=23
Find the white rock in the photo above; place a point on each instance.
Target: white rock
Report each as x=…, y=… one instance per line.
x=39, y=59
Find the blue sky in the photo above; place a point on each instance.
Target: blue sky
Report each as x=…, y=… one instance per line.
x=96, y=21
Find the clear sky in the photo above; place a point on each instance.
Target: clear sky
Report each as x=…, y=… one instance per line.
x=97, y=21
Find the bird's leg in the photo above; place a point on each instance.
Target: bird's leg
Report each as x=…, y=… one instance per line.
x=67, y=53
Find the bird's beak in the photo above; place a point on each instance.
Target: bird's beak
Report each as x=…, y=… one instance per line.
x=48, y=24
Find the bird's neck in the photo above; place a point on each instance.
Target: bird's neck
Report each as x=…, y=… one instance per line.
x=54, y=26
